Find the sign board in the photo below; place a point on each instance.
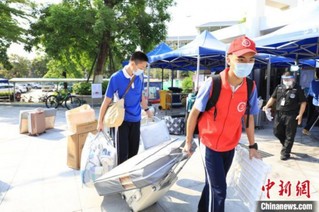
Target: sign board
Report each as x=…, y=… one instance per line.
x=96, y=91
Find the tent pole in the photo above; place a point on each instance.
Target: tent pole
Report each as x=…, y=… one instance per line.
x=268, y=77
x=162, y=79
x=172, y=82
x=197, y=73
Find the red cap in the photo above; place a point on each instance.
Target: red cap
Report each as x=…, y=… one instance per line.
x=242, y=45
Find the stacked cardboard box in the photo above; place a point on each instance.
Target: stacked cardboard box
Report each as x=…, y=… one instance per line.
x=76, y=142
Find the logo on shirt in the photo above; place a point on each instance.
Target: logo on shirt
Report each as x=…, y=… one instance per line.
x=241, y=106
x=245, y=43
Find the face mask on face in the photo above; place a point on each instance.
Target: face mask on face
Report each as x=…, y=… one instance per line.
x=243, y=69
x=287, y=83
x=138, y=72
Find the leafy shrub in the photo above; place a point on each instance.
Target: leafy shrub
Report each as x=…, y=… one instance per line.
x=6, y=93
x=187, y=84
x=84, y=88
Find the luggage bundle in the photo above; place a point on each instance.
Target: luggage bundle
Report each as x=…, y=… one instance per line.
x=142, y=170
x=36, y=121
x=145, y=178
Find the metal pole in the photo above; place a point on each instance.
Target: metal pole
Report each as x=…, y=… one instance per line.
x=268, y=78
x=197, y=73
x=162, y=79
x=148, y=80
x=172, y=82
x=314, y=123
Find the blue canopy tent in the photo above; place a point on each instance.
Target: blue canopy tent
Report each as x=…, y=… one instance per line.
x=159, y=49
x=204, y=52
x=299, y=40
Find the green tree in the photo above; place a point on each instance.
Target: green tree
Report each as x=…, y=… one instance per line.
x=65, y=32
x=10, y=30
x=99, y=31
x=39, y=66
x=20, y=67
x=187, y=84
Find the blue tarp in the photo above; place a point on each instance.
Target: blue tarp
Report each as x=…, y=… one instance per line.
x=205, y=46
x=296, y=40
x=2, y=80
x=278, y=61
x=159, y=49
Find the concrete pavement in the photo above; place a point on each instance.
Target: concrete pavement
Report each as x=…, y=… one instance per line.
x=34, y=175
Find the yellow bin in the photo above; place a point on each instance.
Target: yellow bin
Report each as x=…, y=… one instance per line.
x=165, y=99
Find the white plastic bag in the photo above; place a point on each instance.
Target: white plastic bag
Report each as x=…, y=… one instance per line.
x=268, y=114
x=154, y=133
x=98, y=157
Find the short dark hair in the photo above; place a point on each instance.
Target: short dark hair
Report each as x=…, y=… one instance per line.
x=287, y=74
x=139, y=56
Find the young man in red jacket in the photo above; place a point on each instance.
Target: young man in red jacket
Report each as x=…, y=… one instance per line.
x=220, y=134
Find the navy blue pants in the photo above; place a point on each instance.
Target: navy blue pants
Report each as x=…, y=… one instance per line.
x=214, y=192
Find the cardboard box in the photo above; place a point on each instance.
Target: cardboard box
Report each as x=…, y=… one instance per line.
x=76, y=142
x=78, y=116
x=84, y=127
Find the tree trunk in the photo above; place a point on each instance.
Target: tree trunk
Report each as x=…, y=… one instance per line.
x=65, y=84
x=103, y=51
x=101, y=59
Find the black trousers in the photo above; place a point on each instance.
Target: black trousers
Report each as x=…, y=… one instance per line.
x=128, y=140
x=285, y=127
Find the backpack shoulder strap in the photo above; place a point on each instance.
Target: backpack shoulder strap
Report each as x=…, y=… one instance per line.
x=250, y=86
x=216, y=88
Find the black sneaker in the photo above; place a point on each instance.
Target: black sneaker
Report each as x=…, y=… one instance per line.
x=284, y=157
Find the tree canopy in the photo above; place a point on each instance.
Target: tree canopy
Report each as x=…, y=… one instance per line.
x=81, y=33
x=10, y=30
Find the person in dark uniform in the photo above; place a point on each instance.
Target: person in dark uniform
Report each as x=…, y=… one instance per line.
x=290, y=106
x=313, y=104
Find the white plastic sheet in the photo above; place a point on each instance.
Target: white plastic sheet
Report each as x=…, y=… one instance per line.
x=247, y=177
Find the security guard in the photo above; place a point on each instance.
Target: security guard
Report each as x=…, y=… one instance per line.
x=290, y=106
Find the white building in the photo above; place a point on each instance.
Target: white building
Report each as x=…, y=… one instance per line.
x=262, y=17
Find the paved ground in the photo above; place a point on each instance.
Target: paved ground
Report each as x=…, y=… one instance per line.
x=34, y=175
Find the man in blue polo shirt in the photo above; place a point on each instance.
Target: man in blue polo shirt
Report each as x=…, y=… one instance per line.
x=134, y=101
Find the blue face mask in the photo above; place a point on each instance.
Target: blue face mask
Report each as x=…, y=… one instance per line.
x=138, y=72
x=243, y=69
